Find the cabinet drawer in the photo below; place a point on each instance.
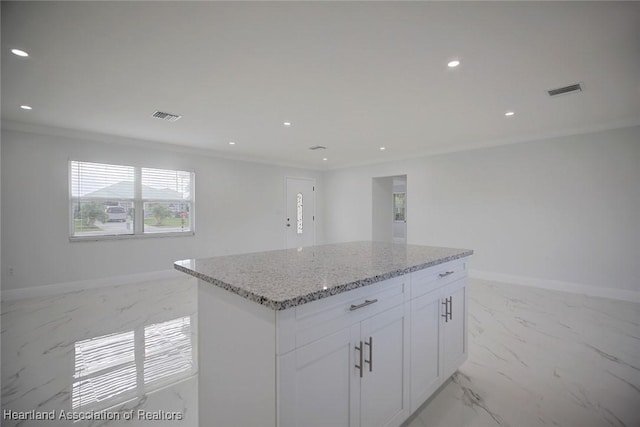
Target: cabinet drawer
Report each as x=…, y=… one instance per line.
x=432, y=278
x=309, y=322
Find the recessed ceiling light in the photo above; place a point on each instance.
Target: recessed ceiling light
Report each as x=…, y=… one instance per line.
x=453, y=64
x=383, y=148
x=287, y=123
x=19, y=52
x=325, y=159
x=509, y=113
x=232, y=143
x=26, y=107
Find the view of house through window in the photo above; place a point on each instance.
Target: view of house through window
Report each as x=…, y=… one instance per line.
x=112, y=200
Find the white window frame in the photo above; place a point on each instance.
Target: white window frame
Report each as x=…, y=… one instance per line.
x=138, y=205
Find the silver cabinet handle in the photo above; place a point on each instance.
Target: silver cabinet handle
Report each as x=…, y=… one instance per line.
x=448, y=309
x=364, y=304
x=361, y=357
x=445, y=274
x=370, y=361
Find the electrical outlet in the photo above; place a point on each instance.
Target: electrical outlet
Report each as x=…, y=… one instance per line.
x=10, y=271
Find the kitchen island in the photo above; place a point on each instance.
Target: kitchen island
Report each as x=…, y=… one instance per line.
x=350, y=334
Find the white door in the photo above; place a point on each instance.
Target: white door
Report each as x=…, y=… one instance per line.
x=384, y=387
x=300, y=205
x=455, y=328
x=317, y=386
x=426, y=375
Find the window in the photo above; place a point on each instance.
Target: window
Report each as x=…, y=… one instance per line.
x=399, y=206
x=117, y=200
x=299, y=213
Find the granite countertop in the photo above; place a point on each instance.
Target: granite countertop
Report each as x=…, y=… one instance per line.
x=286, y=278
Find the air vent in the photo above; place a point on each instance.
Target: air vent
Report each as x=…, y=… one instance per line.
x=166, y=116
x=317, y=147
x=564, y=90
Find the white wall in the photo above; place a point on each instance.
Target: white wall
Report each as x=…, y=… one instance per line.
x=239, y=208
x=564, y=209
x=382, y=213
x=1, y=269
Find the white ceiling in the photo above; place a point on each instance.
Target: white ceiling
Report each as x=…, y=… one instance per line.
x=352, y=76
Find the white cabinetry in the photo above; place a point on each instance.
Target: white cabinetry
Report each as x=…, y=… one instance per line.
x=426, y=369
x=384, y=397
x=364, y=358
x=438, y=328
x=357, y=376
x=314, y=383
x=454, y=347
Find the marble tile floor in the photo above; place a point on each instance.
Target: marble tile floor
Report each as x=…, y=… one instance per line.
x=536, y=358
x=542, y=358
x=113, y=351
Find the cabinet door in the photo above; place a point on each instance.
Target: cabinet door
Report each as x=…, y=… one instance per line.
x=426, y=369
x=314, y=387
x=455, y=328
x=384, y=387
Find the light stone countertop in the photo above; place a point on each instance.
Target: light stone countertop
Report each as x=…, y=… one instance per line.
x=286, y=278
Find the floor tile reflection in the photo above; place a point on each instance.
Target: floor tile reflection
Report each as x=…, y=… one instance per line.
x=120, y=356
x=536, y=358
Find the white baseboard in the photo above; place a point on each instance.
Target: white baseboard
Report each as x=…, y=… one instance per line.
x=61, y=288
x=556, y=285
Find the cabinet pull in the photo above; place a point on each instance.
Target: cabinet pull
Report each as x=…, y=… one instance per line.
x=451, y=308
x=446, y=310
x=361, y=357
x=370, y=361
x=445, y=274
x=364, y=304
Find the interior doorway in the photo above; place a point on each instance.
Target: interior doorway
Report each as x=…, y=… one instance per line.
x=300, y=205
x=389, y=221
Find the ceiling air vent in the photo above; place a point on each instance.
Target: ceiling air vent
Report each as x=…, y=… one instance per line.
x=564, y=90
x=317, y=147
x=166, y=116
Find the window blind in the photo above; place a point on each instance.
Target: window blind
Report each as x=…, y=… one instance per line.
x=101, y=181
x=111, y=200
x=164, y=184
x=167, y=200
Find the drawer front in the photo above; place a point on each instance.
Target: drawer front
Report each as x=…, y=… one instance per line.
x=432, y=278
x=317, y=319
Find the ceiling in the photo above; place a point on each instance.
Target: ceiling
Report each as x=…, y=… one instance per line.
x=351, y=76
